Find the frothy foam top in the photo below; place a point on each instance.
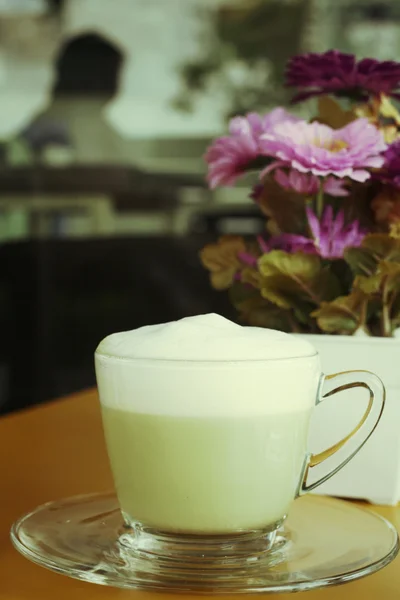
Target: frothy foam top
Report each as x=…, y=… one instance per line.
x=203, y=338
x=206, y=366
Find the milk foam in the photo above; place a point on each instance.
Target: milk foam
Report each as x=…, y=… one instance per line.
x=205, y=337
x=206, y=365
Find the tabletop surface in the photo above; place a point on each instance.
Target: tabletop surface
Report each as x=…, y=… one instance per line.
x=57, y=450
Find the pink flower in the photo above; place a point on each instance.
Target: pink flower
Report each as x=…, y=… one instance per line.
x=230, y=156
x=335, y=187
x=330, y=236
x=317, y=149
x=307, y=184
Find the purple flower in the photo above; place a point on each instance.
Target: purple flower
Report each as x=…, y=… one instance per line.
x=247, y=259
x=320, y=150
x=304, y=183
x=330, y=236
x=230, y=156
x=289, y=242
x=390, y=172
x=334, y=72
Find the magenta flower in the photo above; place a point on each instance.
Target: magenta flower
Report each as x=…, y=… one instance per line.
x=330, y=236
x=231, y=156
x=390, y=172
x=307, y=184
x=289, y=242
x=247, y=259
x=317, y=149
x=334, y=72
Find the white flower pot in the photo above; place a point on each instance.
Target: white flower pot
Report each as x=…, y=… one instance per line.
x=374, y=474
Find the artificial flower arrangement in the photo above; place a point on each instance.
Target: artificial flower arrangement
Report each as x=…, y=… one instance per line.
x=329, y=259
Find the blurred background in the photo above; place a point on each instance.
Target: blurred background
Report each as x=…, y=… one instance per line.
x=106, y=108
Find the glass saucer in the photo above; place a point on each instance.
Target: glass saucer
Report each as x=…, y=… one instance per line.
x=323, y=542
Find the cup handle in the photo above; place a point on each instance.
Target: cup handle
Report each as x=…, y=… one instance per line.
x=345, y=381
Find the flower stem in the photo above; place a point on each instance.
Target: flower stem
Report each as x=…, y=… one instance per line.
x=386, y=324
x=293, y=323
x=386, y=321
x=320, y=200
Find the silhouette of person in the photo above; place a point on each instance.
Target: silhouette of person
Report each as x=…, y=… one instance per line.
x=87, y=74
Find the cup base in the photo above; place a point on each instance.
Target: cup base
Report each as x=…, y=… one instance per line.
x=235, y=549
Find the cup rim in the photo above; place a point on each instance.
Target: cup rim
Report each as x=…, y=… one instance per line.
x=192, y=361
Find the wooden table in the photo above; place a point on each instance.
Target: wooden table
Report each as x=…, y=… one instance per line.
x=57, y=450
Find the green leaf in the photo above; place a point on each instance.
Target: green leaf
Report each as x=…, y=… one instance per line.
x=281, y=290
x=382, y=246
x=360, y=260
x=344, y=315
x=287, y=278
x=296, y=266
x=258, y=312
x=369, y=285
x=251, y=277
x=239, y=293
x=343, y=277
x=385, y=281
x=268, y=317
x=383, y=292
x=374, y=248
x=221, y=259
x=391, y=272
x=327, y=285
x=302, y=314
x=296, y=281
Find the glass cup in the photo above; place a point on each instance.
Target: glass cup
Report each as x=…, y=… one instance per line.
x=208, y=456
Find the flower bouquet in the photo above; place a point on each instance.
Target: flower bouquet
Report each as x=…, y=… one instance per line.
x=329, y=258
